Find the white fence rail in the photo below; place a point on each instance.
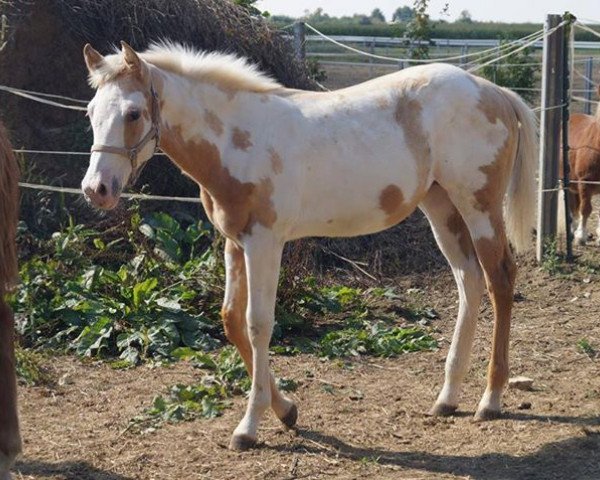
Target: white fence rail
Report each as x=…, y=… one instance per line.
x=436, y=42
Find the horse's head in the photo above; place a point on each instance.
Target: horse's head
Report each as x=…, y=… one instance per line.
x=124, y=115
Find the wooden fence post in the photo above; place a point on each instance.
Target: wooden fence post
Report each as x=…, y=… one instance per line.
x=552, y=97
x=589, y=85
x=300, y=40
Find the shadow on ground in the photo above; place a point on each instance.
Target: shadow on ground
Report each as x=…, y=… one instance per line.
x=573, y=458
x=71, y=470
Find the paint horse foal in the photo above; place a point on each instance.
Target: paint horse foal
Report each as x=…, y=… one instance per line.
x=10, y=439
x=276, y=164
x=584, y=160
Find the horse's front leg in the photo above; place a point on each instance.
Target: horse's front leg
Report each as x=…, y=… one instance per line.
x=10, y=440
x=262, y=254
x=234, y=320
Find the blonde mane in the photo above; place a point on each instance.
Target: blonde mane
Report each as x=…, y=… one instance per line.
x=226, y=70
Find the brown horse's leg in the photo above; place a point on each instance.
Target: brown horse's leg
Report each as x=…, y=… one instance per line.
x=454, y=239
x=585, y=210
x=234, y=321
x=574, y=208
x=10, y=439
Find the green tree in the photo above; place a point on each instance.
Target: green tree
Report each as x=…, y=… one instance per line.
x=377, y=15
x=419, y=29
x=317, y=16
x=465, y=17
x=514, y=71
x=249, y=5
x=403, y=14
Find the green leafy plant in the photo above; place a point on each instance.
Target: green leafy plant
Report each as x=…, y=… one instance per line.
x=30, y=367
x=377, y=339
x=226, y=376
x=158, y=296
x=584, y=346
x=552, y=262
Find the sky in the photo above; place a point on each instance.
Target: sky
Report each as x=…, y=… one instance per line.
x=512, y=11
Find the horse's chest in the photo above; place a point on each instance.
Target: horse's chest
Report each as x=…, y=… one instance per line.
x=230, y=221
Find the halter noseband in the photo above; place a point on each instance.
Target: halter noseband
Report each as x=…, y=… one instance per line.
x=153, y=134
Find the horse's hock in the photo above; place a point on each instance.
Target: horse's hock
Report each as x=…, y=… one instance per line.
x=44, y=39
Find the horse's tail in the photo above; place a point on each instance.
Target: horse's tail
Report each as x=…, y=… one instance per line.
x=9, y=212
x=520, y=204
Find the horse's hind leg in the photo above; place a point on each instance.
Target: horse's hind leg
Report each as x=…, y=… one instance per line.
x=234, y=321
x=10, y=440
x=455, y=242
x=585, y=210
x=491, y=244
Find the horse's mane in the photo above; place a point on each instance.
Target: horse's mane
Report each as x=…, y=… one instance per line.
x=9, y=212
x=226, y=70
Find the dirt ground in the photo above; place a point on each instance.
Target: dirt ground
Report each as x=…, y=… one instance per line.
x=364, y=422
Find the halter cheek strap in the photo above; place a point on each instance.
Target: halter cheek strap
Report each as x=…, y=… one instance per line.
x=131, y=153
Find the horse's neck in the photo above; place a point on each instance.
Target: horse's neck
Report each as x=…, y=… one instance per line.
x=195, y=120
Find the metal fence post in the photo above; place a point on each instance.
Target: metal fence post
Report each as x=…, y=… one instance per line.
x=372, y=52
x=589, y=85
x=300, y=40
x=552, y=93
x=464, y=51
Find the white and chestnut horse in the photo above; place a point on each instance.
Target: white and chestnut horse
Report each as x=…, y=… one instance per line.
x=277, y=164
x=10, y=440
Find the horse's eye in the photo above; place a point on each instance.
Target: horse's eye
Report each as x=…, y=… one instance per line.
x=132, y=116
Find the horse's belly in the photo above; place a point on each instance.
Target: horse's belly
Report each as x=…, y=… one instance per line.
x=339, y=227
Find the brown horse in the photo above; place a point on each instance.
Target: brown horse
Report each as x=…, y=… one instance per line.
x=584, y=160
x=10, y=439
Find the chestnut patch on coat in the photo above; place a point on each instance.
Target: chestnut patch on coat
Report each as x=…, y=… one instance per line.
x=501, y=271
x=276, y=162
x=213, y=122
x=391, y=201
x=233, y=206
x=133, y=131
x=383, y=103
x=234, y=307
x=496, y=107
x=241, y=139
x=458, y=227
x=408, y=115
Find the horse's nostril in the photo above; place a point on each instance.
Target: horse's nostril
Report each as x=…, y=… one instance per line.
x=102, y=190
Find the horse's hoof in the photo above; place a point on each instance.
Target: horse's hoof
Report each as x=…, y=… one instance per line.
x=290, y=418
x=241, y=443
x=442, y=410
x=485, y=414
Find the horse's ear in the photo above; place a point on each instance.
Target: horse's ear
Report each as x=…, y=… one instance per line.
x=93, y=59
x=131, y=58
